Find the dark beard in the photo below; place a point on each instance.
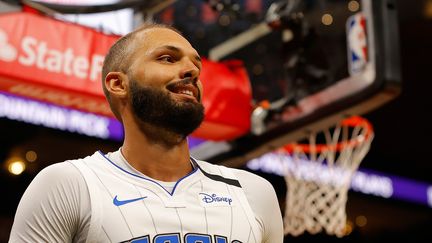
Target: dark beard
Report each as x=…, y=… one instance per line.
x=157, y=108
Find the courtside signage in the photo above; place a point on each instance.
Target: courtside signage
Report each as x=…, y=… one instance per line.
x=56, y=117
x=364, y=181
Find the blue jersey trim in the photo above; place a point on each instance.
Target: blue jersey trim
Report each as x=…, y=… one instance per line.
x=147, y=179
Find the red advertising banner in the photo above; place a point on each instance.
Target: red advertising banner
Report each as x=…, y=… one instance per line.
x=51, y=52
x=57, y=62
x=227, y=100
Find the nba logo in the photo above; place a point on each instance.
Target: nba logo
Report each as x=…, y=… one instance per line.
x=357, y=43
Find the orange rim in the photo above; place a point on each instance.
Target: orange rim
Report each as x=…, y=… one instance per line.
x=353, y=121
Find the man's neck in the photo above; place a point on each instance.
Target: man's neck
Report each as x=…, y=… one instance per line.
x=164, y=157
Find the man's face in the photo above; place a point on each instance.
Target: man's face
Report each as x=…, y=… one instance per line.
x=163, y=80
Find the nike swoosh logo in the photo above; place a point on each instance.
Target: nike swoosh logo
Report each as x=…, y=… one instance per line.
x=123, y=202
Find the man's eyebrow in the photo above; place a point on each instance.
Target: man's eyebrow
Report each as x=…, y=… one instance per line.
x=176, y=49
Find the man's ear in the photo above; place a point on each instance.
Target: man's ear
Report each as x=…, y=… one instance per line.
x=117, y=84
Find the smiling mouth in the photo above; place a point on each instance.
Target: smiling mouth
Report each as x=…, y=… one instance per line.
x=186, y=92
x=184, y=87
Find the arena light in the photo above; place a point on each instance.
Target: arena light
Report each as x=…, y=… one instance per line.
x=361, y=221
x=327, y=19
x=16, y=167
x=31, y=156
x=353, y=6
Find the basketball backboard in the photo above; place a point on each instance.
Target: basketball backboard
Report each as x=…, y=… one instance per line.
x=311, y=64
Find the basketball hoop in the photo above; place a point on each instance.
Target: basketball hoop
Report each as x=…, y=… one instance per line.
x=320, y=174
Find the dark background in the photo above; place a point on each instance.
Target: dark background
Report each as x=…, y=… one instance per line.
x=401, y=146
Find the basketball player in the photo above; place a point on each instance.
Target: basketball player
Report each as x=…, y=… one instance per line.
x=150, y=190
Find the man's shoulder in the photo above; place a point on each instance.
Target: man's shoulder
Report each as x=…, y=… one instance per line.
x=97, y=155
x=59, y=169
x=64, y=169
x=251, y=180
x=243, y=176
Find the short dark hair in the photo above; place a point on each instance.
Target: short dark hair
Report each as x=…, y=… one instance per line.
x=118, y=56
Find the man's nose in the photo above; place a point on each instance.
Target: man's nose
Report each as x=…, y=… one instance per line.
x=189, y=70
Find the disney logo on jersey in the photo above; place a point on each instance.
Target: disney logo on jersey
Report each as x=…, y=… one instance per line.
x=214, y=199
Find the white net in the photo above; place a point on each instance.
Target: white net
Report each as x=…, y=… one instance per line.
x=320, y=174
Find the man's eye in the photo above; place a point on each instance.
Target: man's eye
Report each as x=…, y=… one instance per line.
x=166, y=58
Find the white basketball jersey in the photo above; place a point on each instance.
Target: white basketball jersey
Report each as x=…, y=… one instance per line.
x=206, y=206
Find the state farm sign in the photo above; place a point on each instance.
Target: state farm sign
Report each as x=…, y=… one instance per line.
x=37, y=54
x=60, y=63
x=51, y=52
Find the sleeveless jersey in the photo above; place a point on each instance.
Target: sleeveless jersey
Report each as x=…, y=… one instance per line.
x=206, y=206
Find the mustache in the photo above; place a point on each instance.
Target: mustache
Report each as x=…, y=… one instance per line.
x=186, y=81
